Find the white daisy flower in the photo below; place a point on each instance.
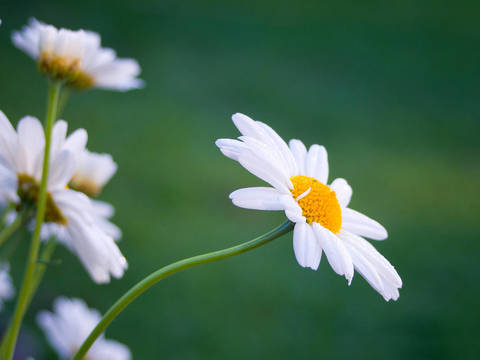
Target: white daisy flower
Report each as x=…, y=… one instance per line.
x=76, y=57
x=21, y=158
x=92, y=172
x=6, y=287
x=70, y=324
x=323, y=220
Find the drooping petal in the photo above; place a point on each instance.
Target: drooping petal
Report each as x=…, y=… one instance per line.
x=306, y=246
x=337, y=256
x=386, y=271
x=365, y=267
x=317, y=163
x=342, y=190
x=96, y=250
x=258, y=198
x=362, y=225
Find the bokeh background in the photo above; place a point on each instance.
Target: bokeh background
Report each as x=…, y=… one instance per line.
x=390, y=88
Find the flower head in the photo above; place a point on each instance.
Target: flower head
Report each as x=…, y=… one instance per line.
x=323, y=220
x=76, y=57
x=70, y=324
x=6, y=288
x=69, y=214
x=93, y=172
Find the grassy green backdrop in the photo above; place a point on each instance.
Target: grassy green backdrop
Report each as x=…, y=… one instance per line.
x=390, y=88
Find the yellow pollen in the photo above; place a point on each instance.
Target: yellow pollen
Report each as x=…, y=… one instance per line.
x=64, y=68
x=84, y=185
x=318, y=202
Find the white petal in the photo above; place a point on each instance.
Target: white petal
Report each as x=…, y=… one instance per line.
x=342, y=190
x=300, y=243
x=264, y=170
x=293, y=211
x=365, y=268
x=317, y=163
x=337, y=256
x=109, y=349
x=282, y=148
x=299, y=152
x=62, y=169
x=267, y=136
x=8, y=141
x=103, y=208
x=59, y=133
x=313, y=249
x=77, y=141
x=247, y=126
x=268, y=154
x=31, y=142
x=258, y=198
x=362, y=225
x=230, y=148
x=386, y=271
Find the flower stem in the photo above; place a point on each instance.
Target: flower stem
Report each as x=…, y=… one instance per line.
x=23, y=297
x=4, y=215
x=171, y=269
x=10, y=229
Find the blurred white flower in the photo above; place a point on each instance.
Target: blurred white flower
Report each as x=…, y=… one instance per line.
x=319, y=211
x=70, y=213
x=76, y=57
x=70, y=324
x=6, y=288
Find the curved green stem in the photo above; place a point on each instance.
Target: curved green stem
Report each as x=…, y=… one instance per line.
x=171, y=269
x=10, y=229
x=23, y=296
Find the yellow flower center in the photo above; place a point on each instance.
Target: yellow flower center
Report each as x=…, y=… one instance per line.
x=318, y=202
x=84, y=185
x=28, y=190
x=64, y=68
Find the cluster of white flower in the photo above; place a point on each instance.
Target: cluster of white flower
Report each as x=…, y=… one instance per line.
x=73, y=217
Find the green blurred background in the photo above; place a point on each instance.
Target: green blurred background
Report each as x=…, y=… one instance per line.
x=390, y=88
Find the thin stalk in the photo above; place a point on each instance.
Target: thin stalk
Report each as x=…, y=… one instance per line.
x=3, y=217
x=44, y=258
x=171, y=269
x=23, y=296
x=10, y=229
x=47, y=252
x=63, y=101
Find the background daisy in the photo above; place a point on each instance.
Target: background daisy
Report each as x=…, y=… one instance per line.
x=70, y=324
x=70, y=214
x=76, y=57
